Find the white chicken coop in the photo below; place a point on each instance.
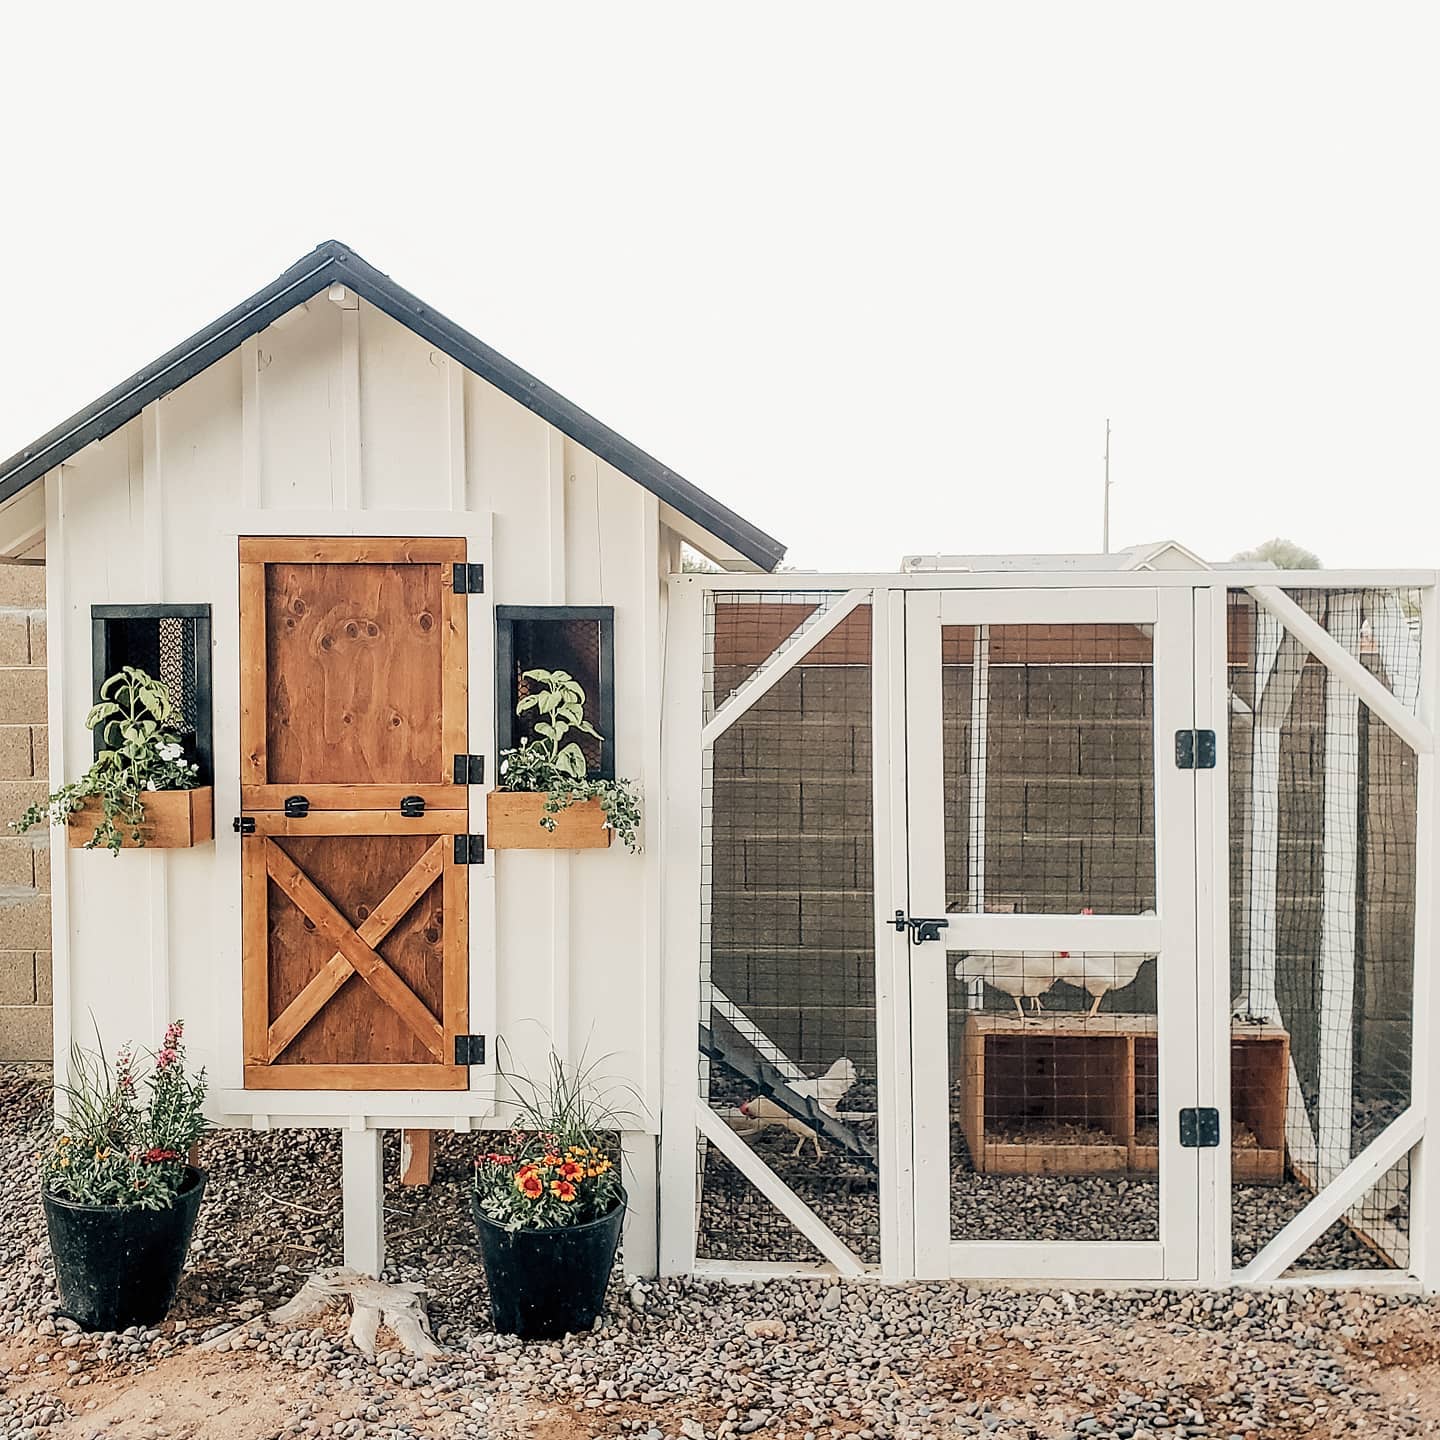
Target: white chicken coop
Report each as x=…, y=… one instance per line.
x=1064, y=919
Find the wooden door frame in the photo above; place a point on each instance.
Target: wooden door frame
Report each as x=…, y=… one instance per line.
x=345, y=809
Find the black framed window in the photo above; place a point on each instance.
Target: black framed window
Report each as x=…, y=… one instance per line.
x=579, y=639
x=172, y=643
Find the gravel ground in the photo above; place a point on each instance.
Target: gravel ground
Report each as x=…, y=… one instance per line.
x=794, y=1359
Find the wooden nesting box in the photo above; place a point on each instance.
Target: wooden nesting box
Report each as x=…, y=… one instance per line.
x=1063, y=1095
x=174, y=820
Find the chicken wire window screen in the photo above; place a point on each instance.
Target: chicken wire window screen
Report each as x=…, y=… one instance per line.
x=579, y=639
x=172, y=643
x=1048, y=735
x=787, y=1006
x=1322, y=885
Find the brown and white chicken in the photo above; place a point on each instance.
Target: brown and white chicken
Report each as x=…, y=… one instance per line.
x=827, y=1091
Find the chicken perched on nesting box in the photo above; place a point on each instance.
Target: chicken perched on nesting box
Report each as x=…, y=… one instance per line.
x=1099, y=971
x=1024, y=973
x=827, y=1093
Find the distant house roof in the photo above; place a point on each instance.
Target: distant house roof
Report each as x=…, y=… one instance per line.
x=333, y=263
x=1156, y=555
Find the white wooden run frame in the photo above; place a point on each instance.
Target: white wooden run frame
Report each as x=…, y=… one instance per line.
x=1192, y=608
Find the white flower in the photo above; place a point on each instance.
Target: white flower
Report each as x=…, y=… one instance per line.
x=171, y=752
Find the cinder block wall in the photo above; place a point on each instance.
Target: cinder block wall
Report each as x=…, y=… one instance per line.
x=24, y=860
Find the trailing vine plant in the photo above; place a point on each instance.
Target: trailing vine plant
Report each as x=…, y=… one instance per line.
x=141, y=751
x=555, y=764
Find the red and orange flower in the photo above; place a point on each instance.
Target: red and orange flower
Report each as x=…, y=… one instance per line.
x=529, y=1183
x=570, y=1170
x=564, y=1190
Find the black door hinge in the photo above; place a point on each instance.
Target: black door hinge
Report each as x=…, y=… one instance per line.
x=412, y=806
x=469, y=849
x=469, y=769
x=1200, y=1128
x=469, y=580
x=297, y=807
x=244, y=824
x=469, y=1049
x=1195, y=749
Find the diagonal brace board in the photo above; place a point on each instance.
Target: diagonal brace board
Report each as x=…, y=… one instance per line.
x=779, y=664
x=770, y=1082
x=1346, y=1190
x=1334, y=656
x=753, y=1035
x=370, y=966
x=326, y=981
x=780, y=1195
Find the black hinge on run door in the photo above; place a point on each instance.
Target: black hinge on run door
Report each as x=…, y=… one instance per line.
x=1200, y=1128
x=1195, y=749
x=469, y=1049
x=469, y=580
x=469, y=849
x=469, y=769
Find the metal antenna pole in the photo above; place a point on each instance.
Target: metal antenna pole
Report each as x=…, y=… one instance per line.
x=1105, y=538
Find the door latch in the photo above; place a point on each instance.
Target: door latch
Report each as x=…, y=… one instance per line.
x=920, y=930
x=297, y=807
x=412, y=806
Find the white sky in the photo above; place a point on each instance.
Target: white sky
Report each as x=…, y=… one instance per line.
x=874, y=277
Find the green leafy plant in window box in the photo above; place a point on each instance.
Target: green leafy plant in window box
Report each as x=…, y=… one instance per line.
x=142, y=757
x=552, y=763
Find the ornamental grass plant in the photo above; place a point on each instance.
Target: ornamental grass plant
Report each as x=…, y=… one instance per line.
x=127, y=1128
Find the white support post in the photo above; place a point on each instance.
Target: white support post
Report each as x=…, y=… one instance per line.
x=683, y=713
x=1399, y=648
x=1340, y=864
x=641, y=1176
x=979, y=779
x=1212, y=928
x=362, y=1180
x=892, y=951
x=1425, y=1071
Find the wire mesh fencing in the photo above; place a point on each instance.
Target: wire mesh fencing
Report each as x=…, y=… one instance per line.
x=787, y=1015
x=1049, y=809
x=1322, y=885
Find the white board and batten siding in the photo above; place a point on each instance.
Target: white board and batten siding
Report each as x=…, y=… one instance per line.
x=338, y=420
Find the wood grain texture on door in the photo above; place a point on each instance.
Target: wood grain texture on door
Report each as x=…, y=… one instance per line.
x=353, y=697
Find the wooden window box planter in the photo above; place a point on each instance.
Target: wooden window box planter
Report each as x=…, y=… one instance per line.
x=514, y=816
x=174, y=820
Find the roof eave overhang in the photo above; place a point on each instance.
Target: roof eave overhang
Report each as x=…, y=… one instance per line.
x=331, y=264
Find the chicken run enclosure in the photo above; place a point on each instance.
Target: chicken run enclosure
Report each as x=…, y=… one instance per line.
x=1066, y=926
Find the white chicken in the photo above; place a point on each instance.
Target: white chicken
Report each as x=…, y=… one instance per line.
x=827, y=1093
x=1018, y=973
x=1099, y=971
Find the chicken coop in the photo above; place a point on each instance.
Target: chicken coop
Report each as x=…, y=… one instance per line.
x=1065, y=917
x=1062, y=917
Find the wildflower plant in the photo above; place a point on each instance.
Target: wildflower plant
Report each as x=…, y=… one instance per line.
x=141, y=751
x=558, y=1164
x=119, y=1146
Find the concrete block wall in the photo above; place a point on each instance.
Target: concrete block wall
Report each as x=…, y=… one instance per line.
x=24, y=860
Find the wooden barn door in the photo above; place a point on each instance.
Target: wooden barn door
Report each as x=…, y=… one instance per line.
x=353, y=700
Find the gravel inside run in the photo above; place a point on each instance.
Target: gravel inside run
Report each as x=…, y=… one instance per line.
x=801, y=1359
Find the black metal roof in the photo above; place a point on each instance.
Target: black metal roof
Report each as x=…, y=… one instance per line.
x=334, y=263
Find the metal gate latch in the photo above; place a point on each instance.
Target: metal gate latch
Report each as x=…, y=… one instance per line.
x=297, y=807
x=920, y=930
x=412, y=806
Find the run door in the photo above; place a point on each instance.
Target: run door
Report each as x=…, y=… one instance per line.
x=1051, y=931
x=353, y=707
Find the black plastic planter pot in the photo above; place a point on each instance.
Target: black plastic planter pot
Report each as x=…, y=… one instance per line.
x=547, y=1283
x=115, y=1266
